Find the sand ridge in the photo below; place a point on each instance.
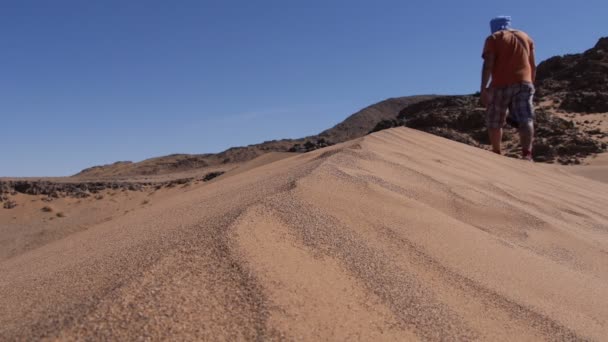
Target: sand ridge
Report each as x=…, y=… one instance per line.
x=399, y=235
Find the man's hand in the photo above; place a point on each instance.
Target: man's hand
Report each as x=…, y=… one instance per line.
x=484, y=97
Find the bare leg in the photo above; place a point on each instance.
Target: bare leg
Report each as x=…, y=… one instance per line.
x=526, y=138
x=495, y=139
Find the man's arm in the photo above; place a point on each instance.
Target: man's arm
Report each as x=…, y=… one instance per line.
x=532, y=65
x=486, y=73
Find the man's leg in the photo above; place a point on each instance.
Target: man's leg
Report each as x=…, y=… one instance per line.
x=526, y=138
x=496, y=115
x=523, y=109
x=495, y=139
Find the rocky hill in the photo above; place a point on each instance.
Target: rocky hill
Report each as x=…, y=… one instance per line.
x=355, y=126
x=577, y=82
x=360, y=123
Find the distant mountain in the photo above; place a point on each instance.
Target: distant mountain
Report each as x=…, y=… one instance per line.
x=355, y=126
x=362, y=122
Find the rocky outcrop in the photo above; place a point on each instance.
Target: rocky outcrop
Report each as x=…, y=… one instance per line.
x=585, y=102
x=310, y=145
x=212, y=175
x=9, y=204
x=56, y=190
x=53, y=190
x=578, y=82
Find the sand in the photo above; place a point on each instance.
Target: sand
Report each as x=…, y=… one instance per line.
x=399, y=235
x=595, y=168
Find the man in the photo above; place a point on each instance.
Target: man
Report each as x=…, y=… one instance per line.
x=509, y=61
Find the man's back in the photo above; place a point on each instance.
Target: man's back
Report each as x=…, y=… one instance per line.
x=512, y=51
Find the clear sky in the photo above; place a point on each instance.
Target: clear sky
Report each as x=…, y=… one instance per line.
x=84, y=83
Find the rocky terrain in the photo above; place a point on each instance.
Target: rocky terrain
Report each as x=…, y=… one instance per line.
x=576, y=82
x=460, y=118
x=83, y=189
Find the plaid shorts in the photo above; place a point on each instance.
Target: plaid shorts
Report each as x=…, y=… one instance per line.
x=516, y=98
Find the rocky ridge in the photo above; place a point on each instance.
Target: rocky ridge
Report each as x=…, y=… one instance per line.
x=53, y=190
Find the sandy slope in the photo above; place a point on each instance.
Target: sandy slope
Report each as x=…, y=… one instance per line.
x=595, y=168
x=396, y=236
x=35, y=221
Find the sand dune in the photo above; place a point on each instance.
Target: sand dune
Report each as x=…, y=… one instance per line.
x=399, y=235
x=596, y=168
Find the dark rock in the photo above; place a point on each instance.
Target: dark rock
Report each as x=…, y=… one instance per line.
x=385, y=124
x=602, y=44
x=310, y=145
x=80, y=194
x=212, y=175
x=543, y=151
x=585, y=102
x=9, y=204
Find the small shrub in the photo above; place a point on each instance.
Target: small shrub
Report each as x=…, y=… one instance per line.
x=60, y=214
x=47, y=209
x=144, y=202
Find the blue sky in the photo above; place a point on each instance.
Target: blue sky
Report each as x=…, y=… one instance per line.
x=85, y=83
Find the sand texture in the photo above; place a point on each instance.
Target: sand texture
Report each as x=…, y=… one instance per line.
x=399, y=235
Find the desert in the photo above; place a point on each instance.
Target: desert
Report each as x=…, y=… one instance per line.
x=397, y=223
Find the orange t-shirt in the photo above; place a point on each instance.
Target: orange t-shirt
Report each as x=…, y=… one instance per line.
x=512, y=61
